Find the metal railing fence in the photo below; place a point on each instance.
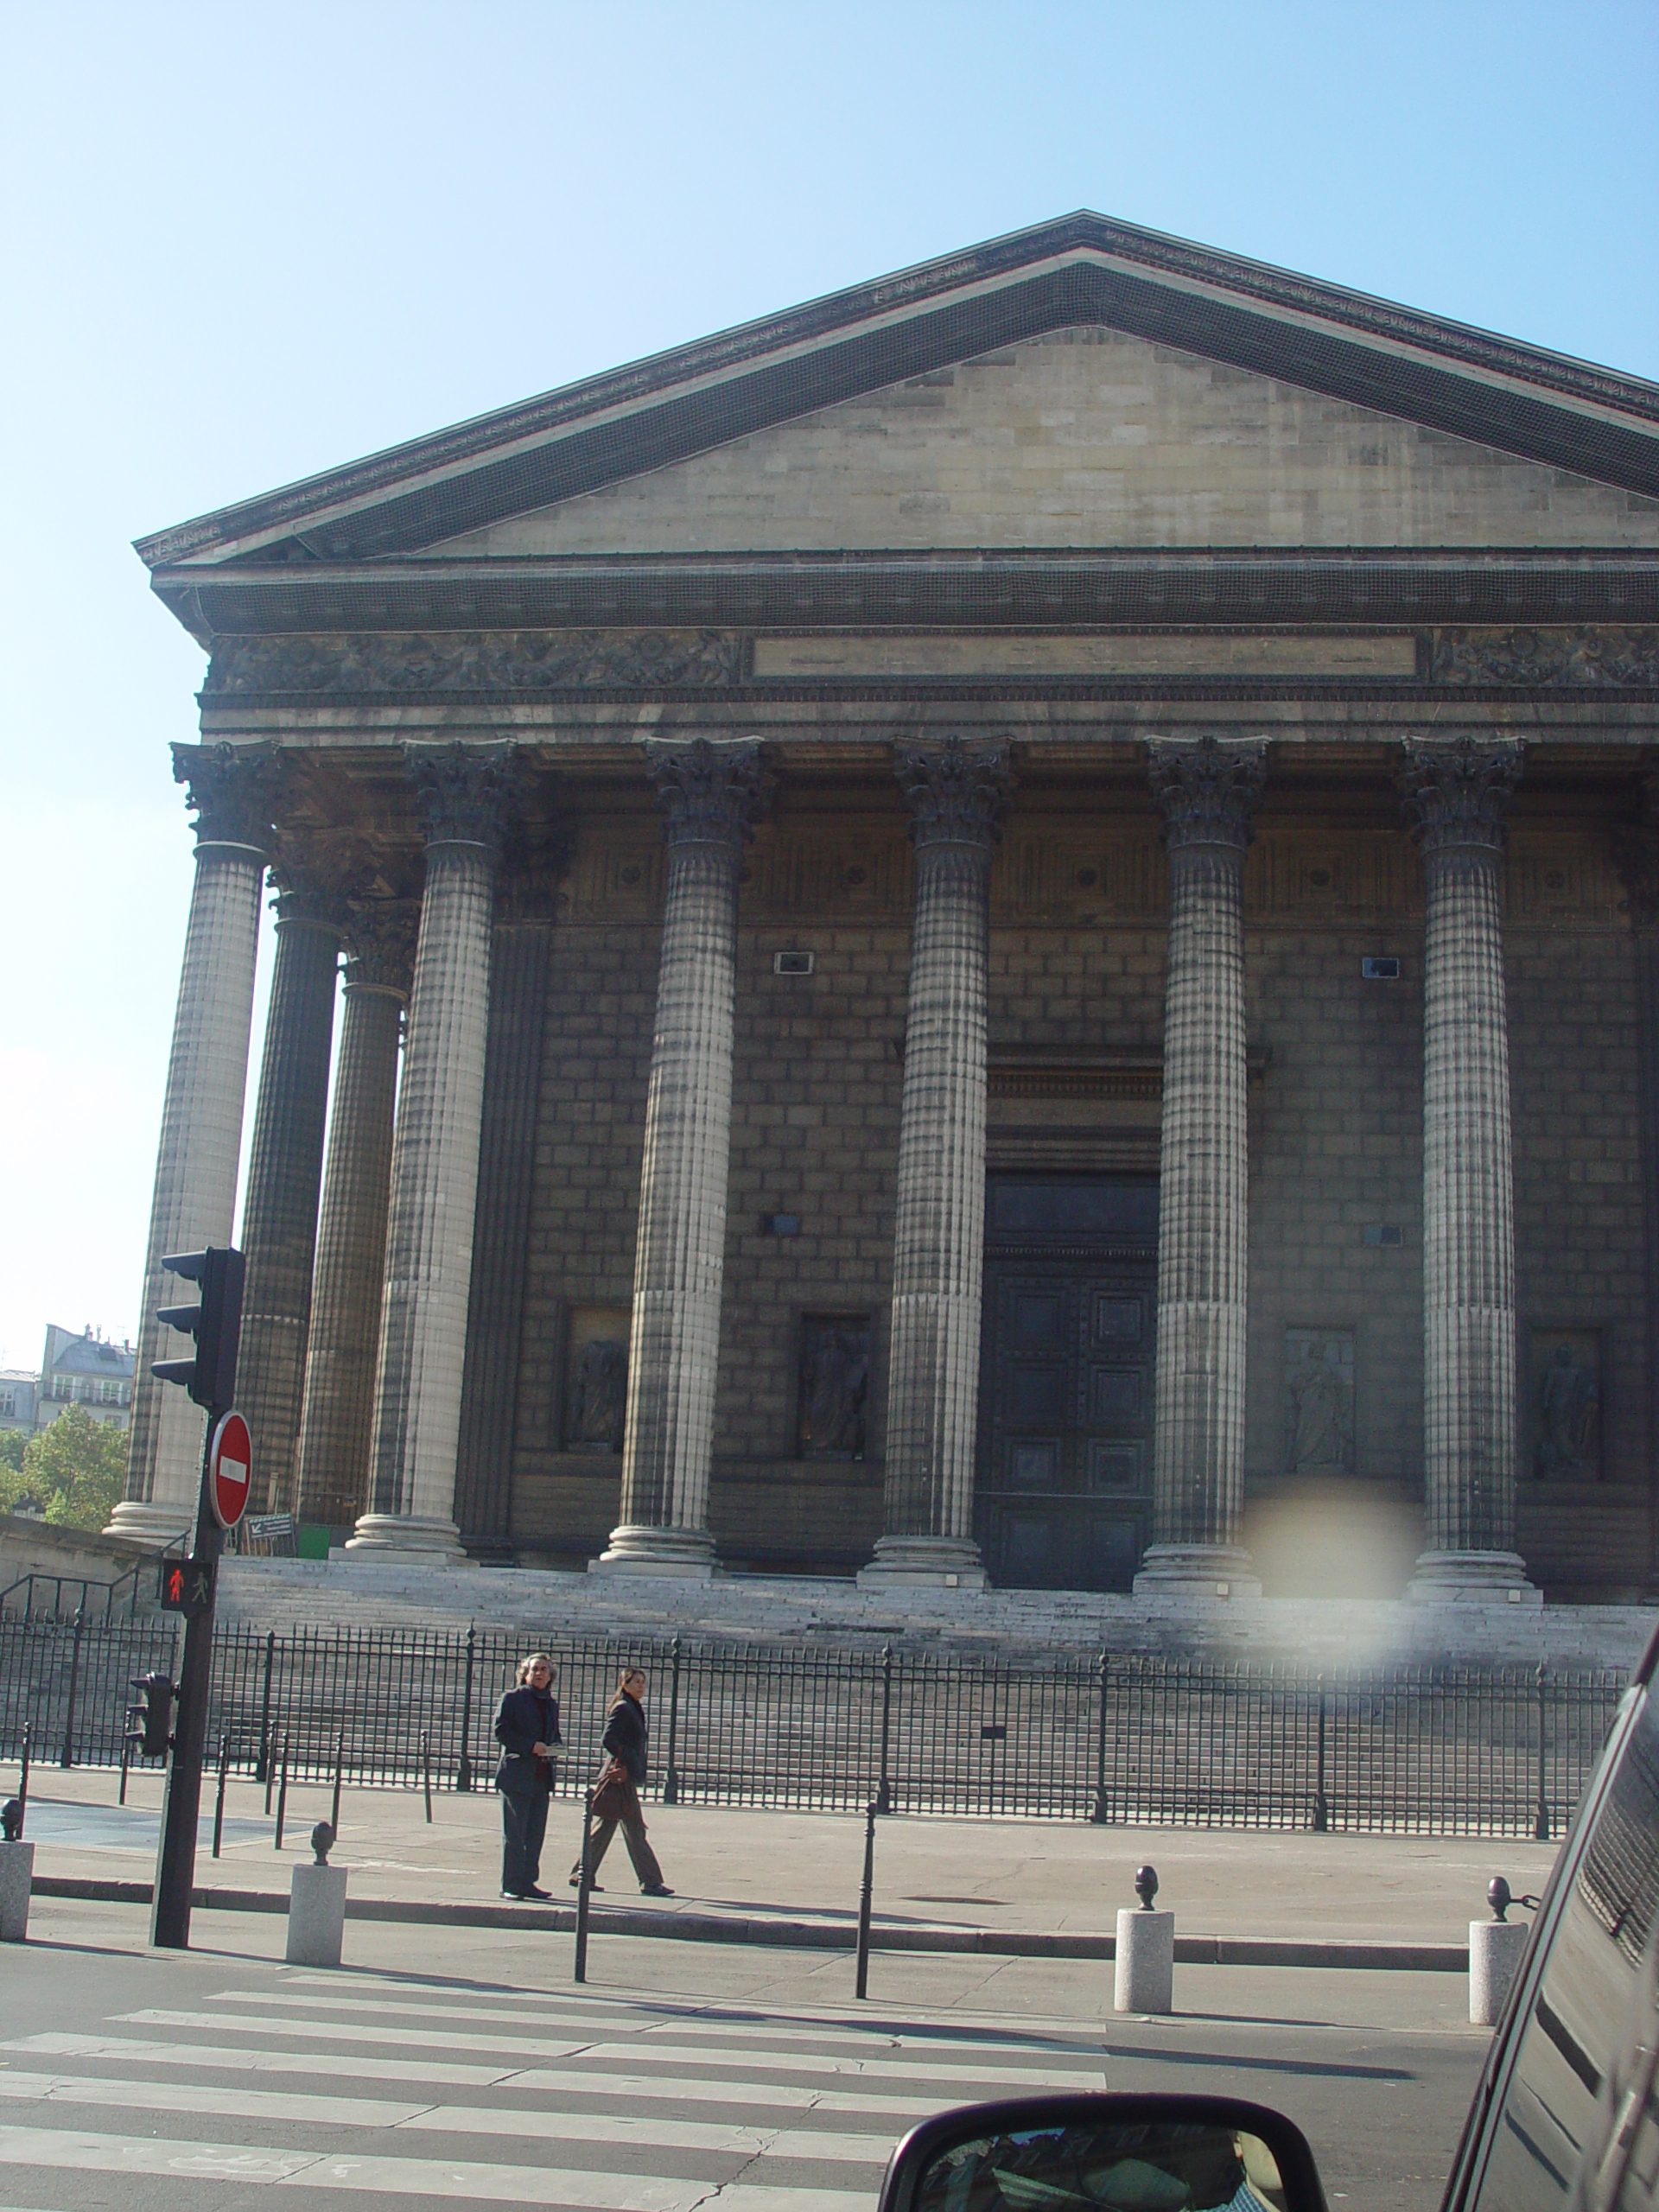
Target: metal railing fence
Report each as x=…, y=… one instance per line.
x=1189, y=1742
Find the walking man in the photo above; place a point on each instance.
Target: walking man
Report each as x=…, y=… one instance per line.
x=527, y=1729
x=616, y=1796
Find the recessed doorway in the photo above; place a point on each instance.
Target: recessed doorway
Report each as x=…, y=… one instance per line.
x=1064, y=1486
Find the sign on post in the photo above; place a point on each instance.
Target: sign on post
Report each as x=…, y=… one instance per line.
x=230, y=1470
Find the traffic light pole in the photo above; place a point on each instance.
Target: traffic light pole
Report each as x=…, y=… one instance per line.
x=175, y=1862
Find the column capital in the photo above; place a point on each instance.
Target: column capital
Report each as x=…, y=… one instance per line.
x=959, y=792
x=1207, y=788
x=381, y=937
x=1456, y=790
x=533, y=861
x=713, y=791
x=231, y=788
x=466, y=793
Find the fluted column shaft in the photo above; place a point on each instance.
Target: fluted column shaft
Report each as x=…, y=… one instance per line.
x=279, y=1219
x=712, y=792
x=1207, y=791
x=336, y=1424
x=958, y=794
x=194, y=1199
x=1457, y=795
x=465, y=791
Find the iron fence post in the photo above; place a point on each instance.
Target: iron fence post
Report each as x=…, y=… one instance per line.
x=219, y=1801
x=282, y=1795
x=121, y=1794
x=426, y=1772
x=340, y=1769
x=883, y=1791
x=1321, y=1808
x=671, y=1774
x=66, y=1756
x=1541, y=1817
x=1102, y=1812
x=867, y=1889
x=22, y=1777
x=262, y=1764
x=464, y=1764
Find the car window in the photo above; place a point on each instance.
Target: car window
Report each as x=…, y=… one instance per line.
x=1573, y=2125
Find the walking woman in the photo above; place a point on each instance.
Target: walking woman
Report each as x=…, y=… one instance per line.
x=527, y=1729
x=616, y=1795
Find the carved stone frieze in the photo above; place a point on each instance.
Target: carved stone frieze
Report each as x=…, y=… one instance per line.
x=379, y=935
x=712, y=792
x=1207, y=791
x=1592, y=653
x=959, y=792
x=466, y=792
x=477, y=660
x=232, y=791
x=1456, y=792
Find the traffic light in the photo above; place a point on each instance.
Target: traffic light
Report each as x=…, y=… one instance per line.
x=216, y=1324
x=149, y=1725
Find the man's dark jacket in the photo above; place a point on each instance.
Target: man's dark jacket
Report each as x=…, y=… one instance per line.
x=626, y=1735
x=522, y=1720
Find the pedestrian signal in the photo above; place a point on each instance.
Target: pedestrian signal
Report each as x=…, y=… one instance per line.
x=216, y=1324
x=149, y=1725
x=187, y=1586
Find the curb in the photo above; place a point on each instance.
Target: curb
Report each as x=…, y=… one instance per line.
x=802, y=1935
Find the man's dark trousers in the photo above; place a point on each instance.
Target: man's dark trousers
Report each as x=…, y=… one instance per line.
x=524, y=1824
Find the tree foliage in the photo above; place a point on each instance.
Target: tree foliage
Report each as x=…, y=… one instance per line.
x=72, y=1473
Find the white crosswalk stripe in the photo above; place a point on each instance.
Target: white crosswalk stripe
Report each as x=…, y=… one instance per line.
x=363, y=2084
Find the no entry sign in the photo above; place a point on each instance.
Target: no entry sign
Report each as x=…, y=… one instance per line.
x=230, y=1470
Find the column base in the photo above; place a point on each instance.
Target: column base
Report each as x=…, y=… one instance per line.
x=1473, y=1577
x=924, y=1563
x=1196, y=1570
x=405, y=1540
x=154, y=1526
x=634, y=1548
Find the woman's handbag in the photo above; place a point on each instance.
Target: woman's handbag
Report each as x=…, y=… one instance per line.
x=613, y=1797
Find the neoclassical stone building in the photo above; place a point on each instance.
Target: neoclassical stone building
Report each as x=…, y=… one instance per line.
x=1021, y=910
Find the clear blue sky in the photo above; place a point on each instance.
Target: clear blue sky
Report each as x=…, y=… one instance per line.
x=246, y=242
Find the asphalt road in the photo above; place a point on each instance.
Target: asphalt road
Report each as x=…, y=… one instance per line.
x=454, y=2067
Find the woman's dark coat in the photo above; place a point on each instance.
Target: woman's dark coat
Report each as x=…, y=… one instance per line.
x=626, y=1735
x=523, y=1720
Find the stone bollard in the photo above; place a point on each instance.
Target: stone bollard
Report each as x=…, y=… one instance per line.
x=1145, y=1979
x=316, y=1906
x=1495, y=1950
x=16, y=1874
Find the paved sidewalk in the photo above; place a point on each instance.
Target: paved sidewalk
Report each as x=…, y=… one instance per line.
x=996, y=1875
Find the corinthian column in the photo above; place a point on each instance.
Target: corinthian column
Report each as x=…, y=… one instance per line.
x=465, y=792
x=279, y=1217
x=332, y=1460
x=958, y=794
x=1207, y=792
x=194, y=1201
x=712, y=793
x=1456, y=793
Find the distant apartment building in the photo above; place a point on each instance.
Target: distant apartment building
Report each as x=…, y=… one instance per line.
x=77, y=1369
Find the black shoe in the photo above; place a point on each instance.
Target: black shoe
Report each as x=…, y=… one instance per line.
x=655, y=1890
x=517, y=1896
x=533, y=1891
x=594, y=1889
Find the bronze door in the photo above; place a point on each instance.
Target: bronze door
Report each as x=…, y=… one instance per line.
x=1064, y=1483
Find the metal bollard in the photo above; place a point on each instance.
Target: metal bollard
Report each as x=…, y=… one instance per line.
x=126, y=1751
x=316, y=1906
x=426, y=1773
x=867, y=1891
x=282, y=1795
x=584, y=1885
x=219, y=1801
x=340, y=1769
x=1496, y=1947
x=1145, y=1979
x=22, y=1777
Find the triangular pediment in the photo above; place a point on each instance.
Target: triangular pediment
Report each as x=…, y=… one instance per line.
x=1082, y=385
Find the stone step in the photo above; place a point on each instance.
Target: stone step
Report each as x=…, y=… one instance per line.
x=288, y=1594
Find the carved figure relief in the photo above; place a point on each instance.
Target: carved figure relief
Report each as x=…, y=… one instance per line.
x=1591, y=654
x=1567, y=1405
x=835, y=1387
x=1320, y=1402
x=596, y=1388
x=472, y=660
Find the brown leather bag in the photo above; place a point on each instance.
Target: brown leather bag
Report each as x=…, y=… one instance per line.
x=613, y=1797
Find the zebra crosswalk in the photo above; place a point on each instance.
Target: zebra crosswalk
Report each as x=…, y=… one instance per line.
x=397, y=2085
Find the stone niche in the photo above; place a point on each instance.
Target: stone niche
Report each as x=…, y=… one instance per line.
x=1318, y=1403
x=1564, y=1406
x=833, y=1386
x=596, y=1378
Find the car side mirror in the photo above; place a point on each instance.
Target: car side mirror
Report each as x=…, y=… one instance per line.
x=1106, y=2154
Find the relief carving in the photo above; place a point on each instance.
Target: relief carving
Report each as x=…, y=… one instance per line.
x=1318, y=1401
x=835, y=1388
x=1591, y=654
x=596, y=1397
x=477, y=660
x=1567, y=1405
